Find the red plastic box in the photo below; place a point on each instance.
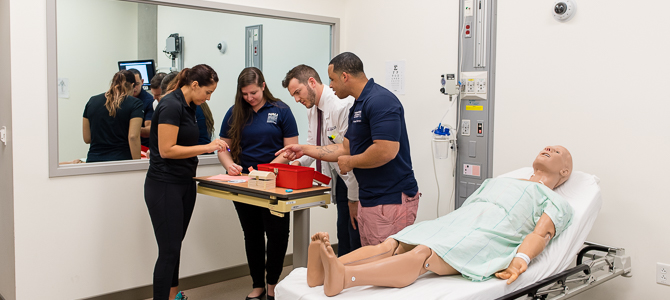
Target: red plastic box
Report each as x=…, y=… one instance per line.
x=294, y=177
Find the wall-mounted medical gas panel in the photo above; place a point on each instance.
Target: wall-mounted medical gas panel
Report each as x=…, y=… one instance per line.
x=477, y=39
x=254, y=46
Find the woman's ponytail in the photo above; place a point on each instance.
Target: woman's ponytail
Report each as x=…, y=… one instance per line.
x=121, y=86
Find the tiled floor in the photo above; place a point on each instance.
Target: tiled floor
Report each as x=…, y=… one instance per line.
x=234, y=289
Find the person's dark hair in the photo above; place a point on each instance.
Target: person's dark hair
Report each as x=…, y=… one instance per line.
x=165, y=83
x=156, y=81
x=242, y=110
x=209, y=119
x=121, y=86
x=347, y=62
x=302, y=73
x=136, y=72
x=203, y=74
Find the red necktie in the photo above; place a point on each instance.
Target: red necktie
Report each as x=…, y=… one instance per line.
x=318, y=139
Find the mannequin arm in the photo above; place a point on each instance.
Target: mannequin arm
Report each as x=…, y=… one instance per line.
x=532, y=245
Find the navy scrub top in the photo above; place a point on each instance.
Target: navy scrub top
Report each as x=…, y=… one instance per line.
x=173, y=110
x=264, y=133
x=377, y=114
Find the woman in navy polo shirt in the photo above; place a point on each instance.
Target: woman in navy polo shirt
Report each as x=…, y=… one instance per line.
x=169, y=189
x=256, y=127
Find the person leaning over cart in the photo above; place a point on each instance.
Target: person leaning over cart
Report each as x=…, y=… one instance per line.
x=255, y=127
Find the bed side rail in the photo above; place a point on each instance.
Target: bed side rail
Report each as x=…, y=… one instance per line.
x=607, y=262
x=532, y=290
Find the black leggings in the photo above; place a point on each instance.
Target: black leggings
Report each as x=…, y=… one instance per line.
x=170, y=207
x=256, y=223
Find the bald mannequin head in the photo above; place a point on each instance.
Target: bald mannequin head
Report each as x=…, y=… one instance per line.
x=554, y=164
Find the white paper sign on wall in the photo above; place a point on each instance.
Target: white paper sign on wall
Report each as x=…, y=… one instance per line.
x=395, y=76
x=63, y=88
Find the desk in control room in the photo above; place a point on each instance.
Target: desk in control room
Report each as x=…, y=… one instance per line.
x=279, y=202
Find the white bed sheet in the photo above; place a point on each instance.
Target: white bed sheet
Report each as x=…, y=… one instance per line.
x=581, y=191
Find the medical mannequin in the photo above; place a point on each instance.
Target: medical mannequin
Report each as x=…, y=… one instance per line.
x=397, y=264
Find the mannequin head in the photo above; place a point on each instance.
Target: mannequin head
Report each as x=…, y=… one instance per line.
x=554, y=163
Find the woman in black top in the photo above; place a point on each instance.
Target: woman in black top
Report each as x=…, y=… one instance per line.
x=169, y=189
x=112, y=121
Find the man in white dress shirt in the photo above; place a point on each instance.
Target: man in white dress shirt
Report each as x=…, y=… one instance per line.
x=328, y=121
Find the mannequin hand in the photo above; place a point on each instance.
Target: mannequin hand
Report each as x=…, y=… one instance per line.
x=217, y=145
x=353, y=212
x=345, y=163
x=234, y=169
x=515, y=268
x=291, y=152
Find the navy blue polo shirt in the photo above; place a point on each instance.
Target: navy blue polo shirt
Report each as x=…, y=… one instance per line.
x=264, y=133
x=148, y=101
x=173, y=110
x=377, y=114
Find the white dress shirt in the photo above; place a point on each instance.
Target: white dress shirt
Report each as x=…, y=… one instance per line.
x=335, y=115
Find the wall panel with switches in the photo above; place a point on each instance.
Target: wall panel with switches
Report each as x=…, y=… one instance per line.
x=254, y=46
x=476, y=77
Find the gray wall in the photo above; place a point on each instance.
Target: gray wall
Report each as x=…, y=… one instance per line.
x=7, y=267
x=146, y=31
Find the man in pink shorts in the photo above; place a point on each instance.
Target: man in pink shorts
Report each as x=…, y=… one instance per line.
x=376, y=148
x=377, y=223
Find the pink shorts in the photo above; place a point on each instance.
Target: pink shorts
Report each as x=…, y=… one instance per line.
x=377, y=223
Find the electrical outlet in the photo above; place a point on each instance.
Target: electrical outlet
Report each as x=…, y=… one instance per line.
x=662, y=273
x=470, y=86
x=481, y=86
x=465, y=127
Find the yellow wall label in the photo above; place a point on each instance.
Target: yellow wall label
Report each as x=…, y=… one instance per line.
x=474, y=107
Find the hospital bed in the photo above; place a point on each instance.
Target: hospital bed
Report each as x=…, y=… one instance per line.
x=546, y=277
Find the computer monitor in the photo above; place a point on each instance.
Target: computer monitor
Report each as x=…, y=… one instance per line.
x=146, y=68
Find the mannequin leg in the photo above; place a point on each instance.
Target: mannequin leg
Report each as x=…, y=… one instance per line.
x=367, y=254
x=396, y=271
x=314, y=266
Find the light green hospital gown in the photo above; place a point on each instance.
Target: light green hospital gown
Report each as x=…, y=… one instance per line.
x=482, y=236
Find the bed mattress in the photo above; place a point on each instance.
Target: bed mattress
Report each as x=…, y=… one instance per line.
x=581, y=191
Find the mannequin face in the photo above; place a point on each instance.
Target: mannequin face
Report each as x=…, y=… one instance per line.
x=302, y=93
x=554, y=159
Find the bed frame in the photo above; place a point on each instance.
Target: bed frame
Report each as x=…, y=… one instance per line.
x=592, y=269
